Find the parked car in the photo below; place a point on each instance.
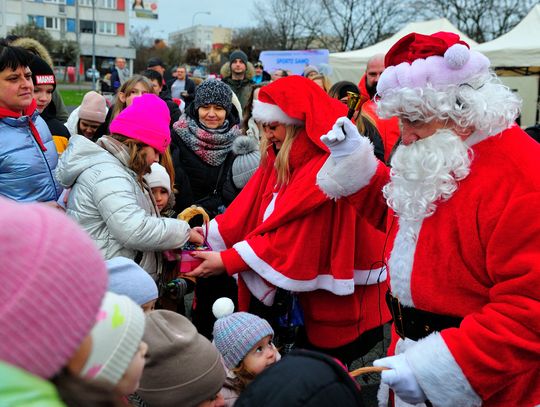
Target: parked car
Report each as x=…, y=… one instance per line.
x=92, y=73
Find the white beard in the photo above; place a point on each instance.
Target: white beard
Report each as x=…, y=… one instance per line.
x=425, y=172
x=422, y=174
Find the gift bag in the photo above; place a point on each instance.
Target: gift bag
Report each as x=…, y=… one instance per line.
x=185, y=261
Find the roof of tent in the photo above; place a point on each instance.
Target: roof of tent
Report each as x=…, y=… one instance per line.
x=519, y=47
x=352, y=64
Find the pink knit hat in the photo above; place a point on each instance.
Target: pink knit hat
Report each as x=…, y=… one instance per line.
x=52, y=281
x=146, y=120
x=93, y=107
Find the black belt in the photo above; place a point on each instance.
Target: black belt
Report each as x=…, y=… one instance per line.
x=414, y=323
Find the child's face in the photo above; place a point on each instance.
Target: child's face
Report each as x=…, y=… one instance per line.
x=161, y=195
x=16, y=88
x=150, y=305
x=43, y=96
x=129, y=383
x=262, y=355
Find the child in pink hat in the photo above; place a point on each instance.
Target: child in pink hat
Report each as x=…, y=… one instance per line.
x=110, y=198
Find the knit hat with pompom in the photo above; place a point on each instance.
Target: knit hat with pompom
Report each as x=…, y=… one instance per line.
x=236, y=333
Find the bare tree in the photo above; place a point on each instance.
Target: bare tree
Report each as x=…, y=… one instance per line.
x=481, y=20
x=352, y=24
x=287, y=22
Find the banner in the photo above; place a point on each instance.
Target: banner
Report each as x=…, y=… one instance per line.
x=293, y=61
x=144, y=9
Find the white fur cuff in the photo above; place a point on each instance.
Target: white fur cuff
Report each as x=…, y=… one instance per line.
x=439, y=375
x=345, y=176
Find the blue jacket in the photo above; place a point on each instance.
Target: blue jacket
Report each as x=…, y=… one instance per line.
x=26, y=172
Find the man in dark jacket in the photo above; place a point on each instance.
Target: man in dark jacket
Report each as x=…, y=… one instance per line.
x=238, y=79
x=182, y=87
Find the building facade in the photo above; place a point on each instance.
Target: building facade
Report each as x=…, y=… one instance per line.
x=75, y=20
x=202, y=36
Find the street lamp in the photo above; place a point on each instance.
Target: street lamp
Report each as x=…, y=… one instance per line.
x=197, y=13
x=94, y=45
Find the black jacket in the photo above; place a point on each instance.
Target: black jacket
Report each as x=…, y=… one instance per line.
x=190, y=89
x=196, y=181
x=302, y=378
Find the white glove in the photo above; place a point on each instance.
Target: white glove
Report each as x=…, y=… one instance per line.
x=401, y=379
x=343, y=139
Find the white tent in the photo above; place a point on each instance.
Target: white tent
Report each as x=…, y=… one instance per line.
x=519, y=47
x=350, y=66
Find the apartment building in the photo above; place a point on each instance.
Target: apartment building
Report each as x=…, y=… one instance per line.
x=75, y=20
x=202, y=36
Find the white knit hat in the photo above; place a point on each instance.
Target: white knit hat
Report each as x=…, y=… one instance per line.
x=116, y=337
x=158, y=177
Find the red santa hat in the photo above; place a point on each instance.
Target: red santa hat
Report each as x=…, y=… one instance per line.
x=436, y=60
x=295, y=100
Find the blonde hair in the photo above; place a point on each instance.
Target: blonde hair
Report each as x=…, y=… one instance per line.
x=242, y=378
x=137, y=157
x=126, y=88
x=166, y=161
x=282, y=158
x=325, y=80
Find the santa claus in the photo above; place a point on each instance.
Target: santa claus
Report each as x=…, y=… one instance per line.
x=464, y=250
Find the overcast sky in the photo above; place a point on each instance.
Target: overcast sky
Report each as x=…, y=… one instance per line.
x=177, y=14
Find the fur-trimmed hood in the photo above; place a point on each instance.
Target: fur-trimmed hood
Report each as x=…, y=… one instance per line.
x=35, y=47
x=225, y=70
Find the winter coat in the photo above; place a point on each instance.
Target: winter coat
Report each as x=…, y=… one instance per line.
x=20, y=388
x=111, y=205
x=242, y=88
x=27, y=172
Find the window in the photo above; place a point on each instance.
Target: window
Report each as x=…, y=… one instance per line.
x=99, y=3
x=54, y=23
x=107, y=4
x=55, y=1
x=107, y=28
x=86, y=26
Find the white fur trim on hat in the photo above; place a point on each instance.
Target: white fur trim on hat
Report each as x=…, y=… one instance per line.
x=458, y=66
x=270, y=113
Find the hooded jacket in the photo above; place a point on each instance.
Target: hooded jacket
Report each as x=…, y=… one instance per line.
x=242, y=88
x=114, y=208
x=26, y=170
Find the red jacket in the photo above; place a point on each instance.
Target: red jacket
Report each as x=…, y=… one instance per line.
x=478, y=257
x=296, y=238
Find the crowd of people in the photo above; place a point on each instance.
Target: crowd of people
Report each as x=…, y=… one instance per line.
x=301, y=223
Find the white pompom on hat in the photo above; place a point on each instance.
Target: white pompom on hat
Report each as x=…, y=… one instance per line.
x=236, y=333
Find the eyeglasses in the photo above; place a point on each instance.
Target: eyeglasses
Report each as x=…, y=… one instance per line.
x=258, y=65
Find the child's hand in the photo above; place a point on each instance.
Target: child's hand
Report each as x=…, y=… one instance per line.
x=196, y=235
x=212, y=264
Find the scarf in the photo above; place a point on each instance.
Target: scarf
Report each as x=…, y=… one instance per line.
x=210, y=145
x=29, y=111
x=116, y=148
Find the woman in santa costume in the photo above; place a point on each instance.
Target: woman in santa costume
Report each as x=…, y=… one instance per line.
x=283, y=232
x=463, y=247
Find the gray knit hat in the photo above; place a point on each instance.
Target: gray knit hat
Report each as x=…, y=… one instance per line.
x=182, y=368
x=238, y=54
x=247, y=160
x=213, y=92
x=237, y=333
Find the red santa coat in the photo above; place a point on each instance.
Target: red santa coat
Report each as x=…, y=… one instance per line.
x=296, y=238
x=477, y=257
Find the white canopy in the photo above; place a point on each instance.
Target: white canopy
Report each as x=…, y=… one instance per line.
x=519, y=47
x=350, y=66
